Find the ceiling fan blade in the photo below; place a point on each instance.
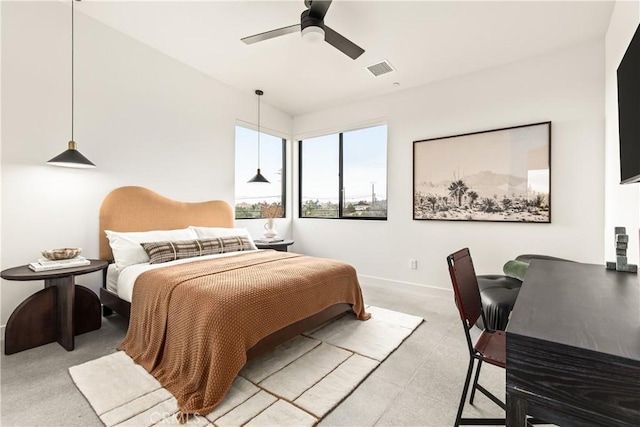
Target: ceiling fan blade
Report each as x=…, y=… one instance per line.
x=271, y=34
x=319, y=8
x=341, y=43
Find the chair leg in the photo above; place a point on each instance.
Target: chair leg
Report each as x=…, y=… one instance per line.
x=475, y=382
x=492, y=397
x=464, y=392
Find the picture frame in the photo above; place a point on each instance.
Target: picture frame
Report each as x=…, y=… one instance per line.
x=499, y=175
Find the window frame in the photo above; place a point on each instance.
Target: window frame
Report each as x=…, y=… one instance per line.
x=340, y=181
x=283, y=177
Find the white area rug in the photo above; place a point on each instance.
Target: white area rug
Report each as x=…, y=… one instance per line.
x=296, y=384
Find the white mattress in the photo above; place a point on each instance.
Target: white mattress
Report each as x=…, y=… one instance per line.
x=112, y=278
x=122, y=282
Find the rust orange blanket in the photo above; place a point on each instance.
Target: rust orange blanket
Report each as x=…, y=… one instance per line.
x=192, y=324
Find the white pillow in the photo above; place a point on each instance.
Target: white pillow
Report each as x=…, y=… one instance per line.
x=126, y=246
x=208, y=232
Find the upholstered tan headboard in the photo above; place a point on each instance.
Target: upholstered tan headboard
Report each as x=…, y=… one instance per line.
x=140, y=209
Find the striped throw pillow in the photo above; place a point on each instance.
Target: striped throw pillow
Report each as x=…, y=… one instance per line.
x=170, y=251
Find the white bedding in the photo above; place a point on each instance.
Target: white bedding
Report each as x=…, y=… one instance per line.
x=122, y=282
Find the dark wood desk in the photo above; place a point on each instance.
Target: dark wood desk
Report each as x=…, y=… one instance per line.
x=573, y=347
x=58, y=312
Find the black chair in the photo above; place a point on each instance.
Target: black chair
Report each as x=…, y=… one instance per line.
x=490, y=347
x=499, y=294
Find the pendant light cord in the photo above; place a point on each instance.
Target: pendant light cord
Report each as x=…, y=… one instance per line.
x=259, y=96
x=71, y=157
x=72, y=62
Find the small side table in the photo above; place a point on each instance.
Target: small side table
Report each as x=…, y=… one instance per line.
x=58, y=312
x=281, y=246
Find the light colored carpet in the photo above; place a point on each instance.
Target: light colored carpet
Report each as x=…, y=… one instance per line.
x=298, y=383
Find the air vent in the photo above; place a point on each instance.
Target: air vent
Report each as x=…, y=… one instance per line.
x=380, y=68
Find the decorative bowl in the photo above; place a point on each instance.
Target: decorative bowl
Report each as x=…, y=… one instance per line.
x=61, y=253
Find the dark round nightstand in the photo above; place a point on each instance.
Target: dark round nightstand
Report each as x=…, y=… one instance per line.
x=281, y=246
x=58, y=312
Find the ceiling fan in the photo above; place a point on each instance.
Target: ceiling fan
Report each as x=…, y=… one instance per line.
x=312, y=27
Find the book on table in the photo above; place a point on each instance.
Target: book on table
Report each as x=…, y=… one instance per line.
x=269, y=240
x=45, y=261
x=47, y=264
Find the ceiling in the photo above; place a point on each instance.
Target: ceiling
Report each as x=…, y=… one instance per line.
x=425, y=41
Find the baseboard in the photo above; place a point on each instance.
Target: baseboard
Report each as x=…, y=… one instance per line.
x=388, y=283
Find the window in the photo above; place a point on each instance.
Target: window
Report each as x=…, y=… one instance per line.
x=319, y=170
x=344, y=175
x=252, y=198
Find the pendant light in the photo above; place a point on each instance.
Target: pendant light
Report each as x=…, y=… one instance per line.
x=71, y=158
x=259, y=177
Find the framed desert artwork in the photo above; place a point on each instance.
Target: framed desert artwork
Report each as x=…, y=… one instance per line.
x=496, y=175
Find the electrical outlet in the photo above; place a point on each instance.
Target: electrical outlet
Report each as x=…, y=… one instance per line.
x=413, y=264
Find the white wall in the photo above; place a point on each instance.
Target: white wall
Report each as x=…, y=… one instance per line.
x=141, y=117
x=566, y=87
x=622, y=202
x=146, y=119
x=1, y=181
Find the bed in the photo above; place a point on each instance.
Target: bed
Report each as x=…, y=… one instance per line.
x=262, y=301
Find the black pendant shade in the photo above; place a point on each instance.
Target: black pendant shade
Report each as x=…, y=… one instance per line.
x=259, y=177
x=71, y=158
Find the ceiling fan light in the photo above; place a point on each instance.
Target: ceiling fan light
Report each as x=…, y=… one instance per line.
x=313, y=34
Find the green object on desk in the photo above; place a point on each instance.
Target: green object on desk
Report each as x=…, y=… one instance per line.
x=515, y=269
